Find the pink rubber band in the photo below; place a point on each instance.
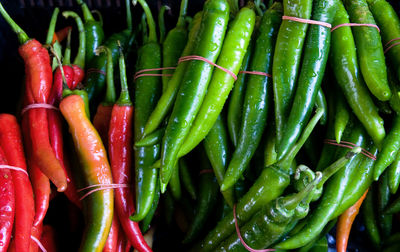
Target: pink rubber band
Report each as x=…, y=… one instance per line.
x=206, y=171
x=196, y=57
x=139, y=74
x=390, y=41
x=355, y=24
x=100, y=187
x=350, y=145
x=241, y=238
x=391, y=46
x=256, y=73
x=94, y=70
x=40, y=245
x=38, y=105
x=14, y=168
x=307, y=21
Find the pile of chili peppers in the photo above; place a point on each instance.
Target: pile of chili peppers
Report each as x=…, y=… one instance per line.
x=251, y=127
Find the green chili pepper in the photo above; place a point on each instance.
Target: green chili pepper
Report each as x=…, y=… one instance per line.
x=384, y=220
x=369, y=49
x=186, y=178
x=393, y=207
x=342, y=115
x=255, y=106
x=395, y=87
x=175, y=184
x=269, y=185
x=394, y=174
x=174, y=44
x=289, y=46
x=145, y=223
x=217, y=149
x=161, y=22
x=270, y=156
x=370, y=223
x=151, y=139
x=316, y=49
x=147, y=91
x=345, y=66
x=194, y=83
x=320, y=102
x=332, y=196
x=165, y=102
x=390, y=147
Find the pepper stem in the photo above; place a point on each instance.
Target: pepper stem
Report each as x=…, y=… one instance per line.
x=67, y=54
x=292, y=201
x=22, y=36
x=161, y=21
x=87, y=15
x=52, y=27
x=258, y=7
x=143, y=24
x=65, y=85
x=289, y=157
x=110, y=97
x=150, y=20
x=80, y=57
x=124, y=99
x=182, y=14
x=129, y=24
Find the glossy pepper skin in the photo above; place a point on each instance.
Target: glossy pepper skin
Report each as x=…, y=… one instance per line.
x=231, y=57
x=369, y=219
x=369, y=49
x=269, y=185
x=11, y=144
x=347, y=73
x=194, y=83
x=315, y=56
x=288, y=49
x=394, y=174
x=255, y=105
x=147, y=91
x=99, y=205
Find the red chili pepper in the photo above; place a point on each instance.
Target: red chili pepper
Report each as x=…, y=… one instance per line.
x=61, y=34
x=119, y=150
x=7, y=203
x=11, y=144
x=112, y=239
x=48, y=238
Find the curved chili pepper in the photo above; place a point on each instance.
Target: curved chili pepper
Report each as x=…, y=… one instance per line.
x=315, y=56
x=147, y=91
x=342, y=115
x=153, y=138
x=369, y=219
x=345, y=66
x=112, y=239
x=101, y=120
x=96, y=171
x=119, y=149
x=161, y=22
x=145, y=224
x=11, y=144
x=7, y=203
x=186, y=178
x=369, y=49
x=255, y=105
x=394, y=174
x=384, y=220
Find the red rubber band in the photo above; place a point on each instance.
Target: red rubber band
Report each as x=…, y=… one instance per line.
x=196, y=57
x=390, y=41
x=139, y=74
x=206, y=171
x=391, y=46
x=350, y=145
x=14, y=168
x=38, y=105
x=241, y=238
x=307, y=21
x=94, y=70
x=101, y=187
x=40, y=245
x=256, y=73
x=355, y=24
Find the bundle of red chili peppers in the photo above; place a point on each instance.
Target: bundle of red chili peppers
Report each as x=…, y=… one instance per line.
x=190, y=155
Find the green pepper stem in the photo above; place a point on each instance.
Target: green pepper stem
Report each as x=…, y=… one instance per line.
x=60, y=65
x=289, y=157
x=182, y=14
x=234, y=6
x=87, y=15
x=258, y=8
x=150, y=20
x=161, y=21
x=129, y=24
x=337, y=165
x=22, y=36
x=67, y=54
x=52, y=27
x=110, y=96
x=292, y=201
x=80, y=57
x=100, y=17
x=144, y=28
x=124, y=99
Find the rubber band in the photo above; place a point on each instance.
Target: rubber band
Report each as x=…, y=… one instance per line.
x=139, y=74
x=100, y=187
x=241, y=238
x=40, y=245
x=206, y=171
x=196, y=57
x=391, y=46
x=355, y=24
x=350, y=145
x=38, y=105
x=14, y=168
x=256, y=73
x=390, y=41
x=307, y=21
x=94, y=70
